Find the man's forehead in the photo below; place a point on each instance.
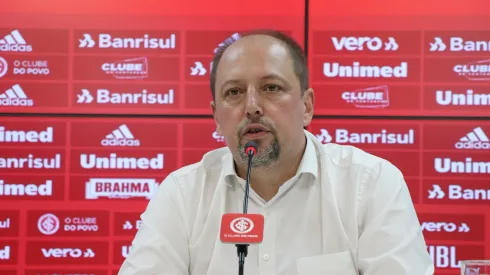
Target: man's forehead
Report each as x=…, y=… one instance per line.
x=256, y=46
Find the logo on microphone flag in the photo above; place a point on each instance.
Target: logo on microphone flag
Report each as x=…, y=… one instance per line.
x=241, y=228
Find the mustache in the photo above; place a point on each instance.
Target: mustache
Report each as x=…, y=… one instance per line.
x=262, y=121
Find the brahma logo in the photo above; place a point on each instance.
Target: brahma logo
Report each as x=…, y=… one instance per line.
x=13, y=189
x=374, y=97
x=120, y=188
x=48, y=224
x=447, y=165
x=5, y=253
x=458, y=44
x=475, y=71
x=91, y=161
x=14, y=42
x=67, y=253
x=364, y=43
x=107, y=41
x=16, y=97
x=449, y=97
x=384, y=137
x=334, y=69
x=476, y=139
x=18, y=136
x=135, y=68
x=104, y=96
x=456, y=192
x=121, y=136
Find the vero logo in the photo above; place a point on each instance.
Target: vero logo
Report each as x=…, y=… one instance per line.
x=68, y=253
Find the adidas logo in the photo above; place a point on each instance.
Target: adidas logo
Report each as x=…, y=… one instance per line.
x=122, y=136
x=476, y=139
x=14, y=42
x=15, y=96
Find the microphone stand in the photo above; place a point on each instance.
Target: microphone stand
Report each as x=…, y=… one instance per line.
x=242, y=249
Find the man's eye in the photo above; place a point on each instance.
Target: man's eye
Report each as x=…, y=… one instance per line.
x=272, y=88
x=233, y=92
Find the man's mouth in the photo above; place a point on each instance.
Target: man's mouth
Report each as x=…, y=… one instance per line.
x=254, y=130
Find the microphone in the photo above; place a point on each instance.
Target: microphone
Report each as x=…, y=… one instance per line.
x=243, y=229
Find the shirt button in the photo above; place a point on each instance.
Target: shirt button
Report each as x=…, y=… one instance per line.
x=266, y=257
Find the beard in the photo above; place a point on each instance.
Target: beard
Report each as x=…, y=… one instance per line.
x=264, y=157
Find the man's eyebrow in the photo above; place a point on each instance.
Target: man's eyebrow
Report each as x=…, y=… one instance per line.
x=266, y=77
x=231, y=81
x=273, y=76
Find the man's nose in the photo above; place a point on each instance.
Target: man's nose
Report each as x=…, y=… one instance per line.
x=253, y=108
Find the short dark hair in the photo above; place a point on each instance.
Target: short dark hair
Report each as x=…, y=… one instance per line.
x=299, y=59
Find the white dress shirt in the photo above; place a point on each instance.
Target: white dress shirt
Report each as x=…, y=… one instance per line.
x=345, y=212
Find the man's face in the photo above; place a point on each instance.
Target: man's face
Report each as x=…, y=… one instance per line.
x=258, y=97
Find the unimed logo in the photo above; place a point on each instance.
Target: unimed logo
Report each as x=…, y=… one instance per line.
x=91, y=161
x=460, y=98
x=335, y=69
x=468, y=166
x=5, y=253
x=29, y=189
x=20, y=136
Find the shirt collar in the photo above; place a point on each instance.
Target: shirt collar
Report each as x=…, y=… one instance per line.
x=308, y=164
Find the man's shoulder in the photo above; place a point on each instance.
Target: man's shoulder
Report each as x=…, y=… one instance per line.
x=350, y=157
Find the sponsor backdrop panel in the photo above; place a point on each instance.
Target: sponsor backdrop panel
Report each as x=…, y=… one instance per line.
x=404, y=58
x=94, y=177
x=111, y=167
x=149, y=58
x=72, y=189
x=446, y=165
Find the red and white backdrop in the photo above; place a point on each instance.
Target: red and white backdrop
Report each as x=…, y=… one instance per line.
x=101, y=100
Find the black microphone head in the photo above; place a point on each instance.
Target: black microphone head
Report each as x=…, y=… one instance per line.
x=251, y=148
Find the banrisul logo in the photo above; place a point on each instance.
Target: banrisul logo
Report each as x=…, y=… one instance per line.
x=109, y=41
x=121, y=136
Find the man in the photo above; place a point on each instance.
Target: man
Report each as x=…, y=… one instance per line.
x=329, y=209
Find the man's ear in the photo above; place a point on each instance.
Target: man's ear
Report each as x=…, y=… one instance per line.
x=309, y=101
x=213, y=109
